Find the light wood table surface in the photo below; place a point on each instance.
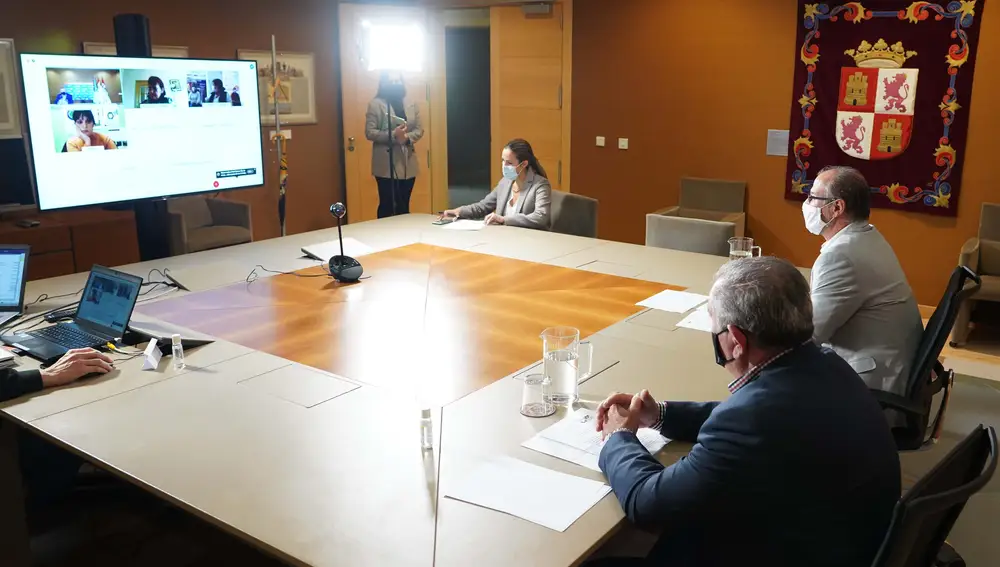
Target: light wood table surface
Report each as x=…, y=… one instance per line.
x=325, y=469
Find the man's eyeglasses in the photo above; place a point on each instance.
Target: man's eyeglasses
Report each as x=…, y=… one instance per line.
x=825, y=199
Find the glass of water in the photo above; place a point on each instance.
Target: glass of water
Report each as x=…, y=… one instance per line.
x=566, y=361
x=534, y=400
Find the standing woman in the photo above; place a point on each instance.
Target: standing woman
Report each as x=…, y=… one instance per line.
x=399, y=133
x=523, y=196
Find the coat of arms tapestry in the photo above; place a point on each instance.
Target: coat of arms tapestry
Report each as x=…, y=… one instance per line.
x=884, y=86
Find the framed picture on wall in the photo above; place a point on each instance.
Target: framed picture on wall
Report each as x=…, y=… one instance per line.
x=172, y=51
x=10, y=107
x=296, y=93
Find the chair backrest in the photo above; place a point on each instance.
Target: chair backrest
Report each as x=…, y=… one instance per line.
x=195, y=210
x=936, y=333
x=924, y=516
x=689, y=234
x=574, y=214
x=713, y=194
x=989, y=240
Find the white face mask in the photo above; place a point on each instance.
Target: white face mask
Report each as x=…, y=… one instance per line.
x=510, y=172
x=814, y=218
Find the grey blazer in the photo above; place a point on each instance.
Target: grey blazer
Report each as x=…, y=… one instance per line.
x=376, y=130
x=532, y=210
x=864, y=308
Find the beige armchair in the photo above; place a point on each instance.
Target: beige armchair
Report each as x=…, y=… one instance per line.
x=711, y=211
x=982, y=255
x=201, y=223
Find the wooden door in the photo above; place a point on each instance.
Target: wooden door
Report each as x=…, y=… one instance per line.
x=529, y=59
x=359, y=84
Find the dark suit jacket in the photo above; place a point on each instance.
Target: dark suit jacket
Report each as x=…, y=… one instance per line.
x=14, y=384
x=798, y=468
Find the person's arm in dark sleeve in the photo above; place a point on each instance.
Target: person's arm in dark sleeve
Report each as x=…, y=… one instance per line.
x=681, y=421
x=653, y=495
x=14, y=384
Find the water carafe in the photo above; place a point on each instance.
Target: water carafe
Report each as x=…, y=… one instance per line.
x=566, y=361
x=742, y=247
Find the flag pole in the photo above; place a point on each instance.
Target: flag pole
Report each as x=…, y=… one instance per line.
x=279, y=138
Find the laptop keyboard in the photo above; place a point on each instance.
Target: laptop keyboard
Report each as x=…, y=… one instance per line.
x=69, y=337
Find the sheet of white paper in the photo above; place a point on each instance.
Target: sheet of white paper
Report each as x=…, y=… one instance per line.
x=777, y=142
x=151, y=356
x=699, y=320
x=542, y=496
x=575, y=439
x=323, y=251
x=674, y=301
x=465, y=224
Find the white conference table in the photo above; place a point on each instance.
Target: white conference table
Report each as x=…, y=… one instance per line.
x=241, y=439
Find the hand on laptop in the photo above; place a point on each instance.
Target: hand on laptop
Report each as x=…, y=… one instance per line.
x=74, y=365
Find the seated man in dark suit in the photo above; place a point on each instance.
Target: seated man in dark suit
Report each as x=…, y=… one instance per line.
x=796, y=468
x=46, y=470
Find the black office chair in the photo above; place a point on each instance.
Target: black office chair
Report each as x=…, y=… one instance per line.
x=924, y=516
x=928, y=376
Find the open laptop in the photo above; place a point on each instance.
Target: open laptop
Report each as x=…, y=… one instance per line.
x=102, y=317
x=13, y=278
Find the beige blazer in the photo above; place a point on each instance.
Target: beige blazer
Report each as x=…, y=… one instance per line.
x=864, y=308
x=404, y=156
x=531, y=211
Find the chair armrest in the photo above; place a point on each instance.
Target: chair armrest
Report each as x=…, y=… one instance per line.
x=970, y=254
x=229, y=213
x=178, y=233
x=668, y=211
x=897, y=402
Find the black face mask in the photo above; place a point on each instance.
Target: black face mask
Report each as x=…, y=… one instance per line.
x=394, y=91
x=720, y=357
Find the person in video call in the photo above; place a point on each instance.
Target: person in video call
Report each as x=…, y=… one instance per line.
x=63, y=97
x=218, y=92
x=156, y=93
x=48, y=472
x=195, y=97
x=85, y=136
x=395, y=185
x=235, y=98
x=796, y=468
x=523, y=196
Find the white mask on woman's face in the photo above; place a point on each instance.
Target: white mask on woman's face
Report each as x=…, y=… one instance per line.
x=814, y=218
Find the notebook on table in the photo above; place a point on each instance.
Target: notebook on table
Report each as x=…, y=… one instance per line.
x=101, y=317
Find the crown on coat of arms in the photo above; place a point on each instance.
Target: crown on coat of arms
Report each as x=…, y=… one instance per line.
x=880, y=55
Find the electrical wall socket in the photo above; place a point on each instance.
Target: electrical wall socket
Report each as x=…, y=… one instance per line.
x=622, y=143
x=600, y=141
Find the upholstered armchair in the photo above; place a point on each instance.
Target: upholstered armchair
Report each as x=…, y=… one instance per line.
x=710, y=212
x=574, y=214
x=200, y=223
x=982, y=255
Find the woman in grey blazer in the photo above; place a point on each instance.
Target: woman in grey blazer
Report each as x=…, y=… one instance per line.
x=523, y=196
x=396, y=184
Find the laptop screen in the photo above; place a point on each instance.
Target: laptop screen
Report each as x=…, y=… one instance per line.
x=13, y=262
x=108, y=299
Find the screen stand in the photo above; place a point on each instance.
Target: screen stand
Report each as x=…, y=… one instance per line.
x=153, y=229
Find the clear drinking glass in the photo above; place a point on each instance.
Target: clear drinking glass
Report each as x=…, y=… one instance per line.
x=742, y=247
x=566, y=361
x=534, y=401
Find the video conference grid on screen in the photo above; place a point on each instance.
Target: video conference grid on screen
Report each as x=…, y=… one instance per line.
x=175, y=126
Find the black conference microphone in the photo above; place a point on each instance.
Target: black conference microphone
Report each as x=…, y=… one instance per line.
x=343, y=268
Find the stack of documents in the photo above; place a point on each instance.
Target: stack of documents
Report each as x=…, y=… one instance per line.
x=674, y=301
x=465, y=224
x=575, y=439
x=542, y=496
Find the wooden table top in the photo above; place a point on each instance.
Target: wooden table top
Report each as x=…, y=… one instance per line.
x=435, y=323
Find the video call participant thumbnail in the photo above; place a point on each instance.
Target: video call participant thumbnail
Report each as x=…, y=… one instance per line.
x=85, y=136
x=157, y=92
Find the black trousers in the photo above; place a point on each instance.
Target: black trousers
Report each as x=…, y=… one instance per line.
x=392, y=203
x=48, y=472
